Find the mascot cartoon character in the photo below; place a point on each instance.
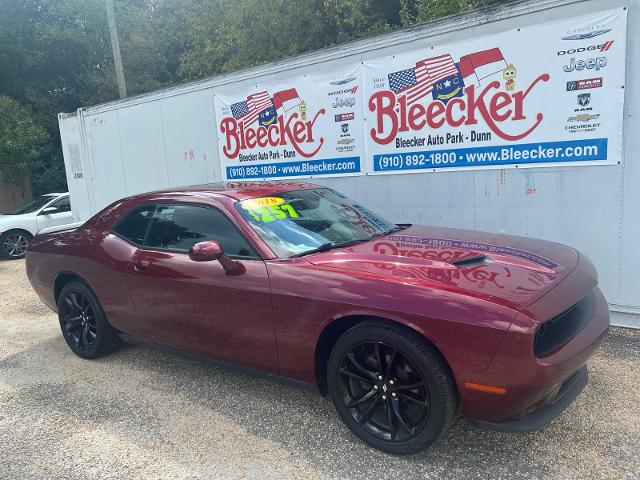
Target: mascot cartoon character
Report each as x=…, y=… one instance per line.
x=509, y=75
x=303, y=111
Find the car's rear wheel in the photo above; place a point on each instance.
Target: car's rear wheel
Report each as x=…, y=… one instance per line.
x=14, y=244
x=392, y=388
x=83, y=323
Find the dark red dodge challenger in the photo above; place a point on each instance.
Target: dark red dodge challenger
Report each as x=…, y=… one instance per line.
x=402, y=325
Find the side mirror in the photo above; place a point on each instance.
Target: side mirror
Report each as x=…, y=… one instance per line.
x=206, y=251
x=49, y=210
x=211, y=250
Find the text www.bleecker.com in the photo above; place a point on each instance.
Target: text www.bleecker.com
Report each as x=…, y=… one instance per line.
x=570, y=151
x=291, y=169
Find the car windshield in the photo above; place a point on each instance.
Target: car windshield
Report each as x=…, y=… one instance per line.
x=305, y=221
x=35, y=204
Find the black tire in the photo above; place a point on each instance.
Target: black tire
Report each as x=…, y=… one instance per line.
x=83, y=323
x=14, y=244
x=416, y=416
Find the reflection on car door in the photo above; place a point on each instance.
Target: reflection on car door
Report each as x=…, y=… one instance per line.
x=197, y=306
x=62, y=217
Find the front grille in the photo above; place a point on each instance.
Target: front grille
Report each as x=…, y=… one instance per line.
x=554, y=333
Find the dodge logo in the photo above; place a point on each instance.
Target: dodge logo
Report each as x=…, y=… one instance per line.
x=604, y=47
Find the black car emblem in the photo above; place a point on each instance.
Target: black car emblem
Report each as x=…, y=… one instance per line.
x=584, y=99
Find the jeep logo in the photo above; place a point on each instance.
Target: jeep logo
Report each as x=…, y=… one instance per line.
x=590, y=64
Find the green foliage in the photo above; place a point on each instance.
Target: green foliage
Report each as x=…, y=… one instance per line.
x=408, y=12
x=22, y=141
x=228, y=35
x=240, y=33
x=415, y=11
x=56, y=56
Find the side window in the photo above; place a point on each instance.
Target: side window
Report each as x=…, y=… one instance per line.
x=63, y=205
x=179, y=227
x=134, y=226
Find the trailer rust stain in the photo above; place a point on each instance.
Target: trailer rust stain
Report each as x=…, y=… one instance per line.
x=190, y=154
x=530, y=188
x=502, y=179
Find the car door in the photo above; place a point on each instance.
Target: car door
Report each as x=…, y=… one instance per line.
x=62, y=215
x=197, y=306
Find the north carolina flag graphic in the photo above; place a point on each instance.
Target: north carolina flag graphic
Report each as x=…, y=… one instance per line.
x=482, y=64
x=268, y=117
x=285, y=100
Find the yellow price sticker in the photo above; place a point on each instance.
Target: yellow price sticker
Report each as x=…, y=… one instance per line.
x=273, y=212
x=262, y=202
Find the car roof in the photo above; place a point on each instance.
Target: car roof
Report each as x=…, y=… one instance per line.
x=239, y=190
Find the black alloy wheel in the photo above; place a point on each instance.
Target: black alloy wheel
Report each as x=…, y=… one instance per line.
x=78, y=321
x=83, y=322
x=384, y=392
x=391, y=387
x=14, y=244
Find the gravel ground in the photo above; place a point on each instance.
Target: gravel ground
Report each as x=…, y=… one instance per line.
x=140, y=413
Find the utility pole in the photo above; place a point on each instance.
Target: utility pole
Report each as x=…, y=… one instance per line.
x=115, y=45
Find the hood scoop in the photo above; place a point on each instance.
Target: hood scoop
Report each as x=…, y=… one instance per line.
x=467, y=262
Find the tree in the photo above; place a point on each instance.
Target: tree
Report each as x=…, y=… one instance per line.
x=56, y=54
x=415, y=11
x=56, y=57
x=227, y=35
x=347, y=20
x=231, y=34
x=22, y=141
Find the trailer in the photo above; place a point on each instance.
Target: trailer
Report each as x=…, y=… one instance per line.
x=514, y=119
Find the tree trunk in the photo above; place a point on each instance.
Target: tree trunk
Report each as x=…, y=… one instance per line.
x=13, y=196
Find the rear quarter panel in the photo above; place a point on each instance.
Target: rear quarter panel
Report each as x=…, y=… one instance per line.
x=99, y=259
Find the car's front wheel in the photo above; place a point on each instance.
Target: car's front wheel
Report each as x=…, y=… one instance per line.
x=14, y=244
x=392, y=388
x=83, y=323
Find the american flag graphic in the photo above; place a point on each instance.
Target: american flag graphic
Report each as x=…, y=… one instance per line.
x=416, y=82
x=248, y=110
x=239, y=109
x=440, y=67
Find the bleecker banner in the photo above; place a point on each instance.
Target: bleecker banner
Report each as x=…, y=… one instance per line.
x=310, y=125
x=548, y=94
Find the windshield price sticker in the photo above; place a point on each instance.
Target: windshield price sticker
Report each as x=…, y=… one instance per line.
x=272, y=212
x=255, y=203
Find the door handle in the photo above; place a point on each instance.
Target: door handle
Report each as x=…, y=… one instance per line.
x=141, y=265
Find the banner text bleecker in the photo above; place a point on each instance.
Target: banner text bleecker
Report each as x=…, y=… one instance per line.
x=499, y=107
x=290, y=131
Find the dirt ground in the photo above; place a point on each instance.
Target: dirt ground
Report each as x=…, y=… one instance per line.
x=140, y=413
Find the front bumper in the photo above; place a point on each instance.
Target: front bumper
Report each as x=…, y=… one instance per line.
x=568, y=392
x=533, y=384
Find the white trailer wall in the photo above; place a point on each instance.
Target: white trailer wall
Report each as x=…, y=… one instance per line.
x=168, y=138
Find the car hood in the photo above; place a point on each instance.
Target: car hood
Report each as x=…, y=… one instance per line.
x=515, y=269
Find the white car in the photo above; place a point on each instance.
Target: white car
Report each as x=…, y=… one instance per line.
x=18, y=228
